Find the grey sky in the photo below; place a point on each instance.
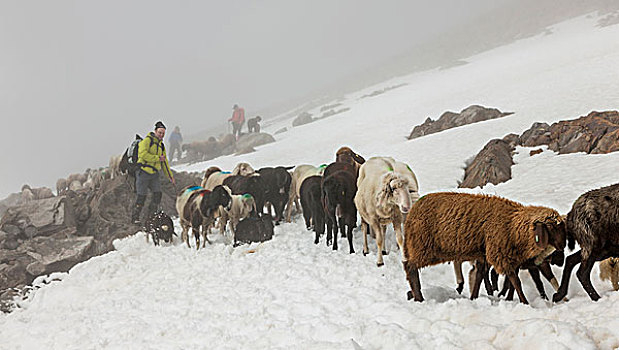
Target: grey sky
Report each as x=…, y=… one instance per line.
x=79, y=78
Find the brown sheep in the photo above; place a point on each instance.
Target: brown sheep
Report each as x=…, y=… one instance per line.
x=609, y=270
x=444, y=227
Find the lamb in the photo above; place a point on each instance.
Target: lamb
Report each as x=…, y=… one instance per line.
x=197, y=208
x=444, y=227
x=311, y=202
x=160, y=226
x=300, y=173
x=212, y=179
x=382, y=197
x=240, y=208
x=61, y=186
x=593, y=222
x=338, y=193
x=609, y=270
x=253, y=185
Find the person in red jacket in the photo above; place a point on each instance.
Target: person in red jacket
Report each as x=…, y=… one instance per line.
x=237, y=120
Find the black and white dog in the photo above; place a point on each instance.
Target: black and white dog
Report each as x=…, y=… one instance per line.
x=160, y=226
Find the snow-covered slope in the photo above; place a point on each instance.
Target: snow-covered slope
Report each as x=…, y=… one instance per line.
x=289, y=292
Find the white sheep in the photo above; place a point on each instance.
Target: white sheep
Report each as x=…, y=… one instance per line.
x=383, y=195
x=240, y=208
x=300, y=173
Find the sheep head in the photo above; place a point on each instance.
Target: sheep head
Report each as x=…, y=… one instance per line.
x=243, y=169
x=249, y=203
x=394, y=190
x=549, y=234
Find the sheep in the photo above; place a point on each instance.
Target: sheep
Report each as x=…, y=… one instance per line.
x=300, y=173
x=346, y=155
x=277, y=185
x=114, y=165
x=382, y=196
x=338, y=193
x=77, y=177
x=253, y=185
x=212, y=179
x=75, y=186
x=593, y=222
x=609, y=270
x=240, y=208
x=444, y=227
x=313, y=212
x=160, y=226
x=197, y=208
x=61, y=186
x=472, y=275
x=29, y=193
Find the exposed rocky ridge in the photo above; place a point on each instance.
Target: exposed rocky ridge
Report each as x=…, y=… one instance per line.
x=448, y=120
x=595, y=133
x=52, y=235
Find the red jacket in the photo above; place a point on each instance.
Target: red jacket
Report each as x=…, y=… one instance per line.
x=238, y=116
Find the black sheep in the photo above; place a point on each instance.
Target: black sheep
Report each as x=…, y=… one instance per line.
x=253, y=184
x=159, y=226
x=311, y=203
x=593, y=222
x=277, y=186
x=339, y=187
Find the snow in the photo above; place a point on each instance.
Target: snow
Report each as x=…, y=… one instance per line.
x=289, y=292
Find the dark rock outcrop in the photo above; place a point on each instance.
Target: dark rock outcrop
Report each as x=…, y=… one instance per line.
x=247, y=141
x=303, y=118
x=448, y=120
x=52, y=235
x=596, y=133
x=491, y=165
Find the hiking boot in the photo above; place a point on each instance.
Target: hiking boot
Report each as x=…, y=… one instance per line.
x=135, y=215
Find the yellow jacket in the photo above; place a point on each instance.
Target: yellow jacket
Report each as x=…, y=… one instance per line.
x=149, y=150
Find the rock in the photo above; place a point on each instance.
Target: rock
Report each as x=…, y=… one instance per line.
x=491, y=165
x=303, y=118
x=595, y=133
x=245, y=151
x=284, y=129
x=535, y=151
x=253, y=140
x=41, y=217
x=513, y=140
x=538, y=134
x=57, y=255
x=448, y=120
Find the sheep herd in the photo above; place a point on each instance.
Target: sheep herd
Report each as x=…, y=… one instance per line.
x=497, y=235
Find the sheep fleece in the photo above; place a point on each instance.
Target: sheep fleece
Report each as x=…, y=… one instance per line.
x=444, y=227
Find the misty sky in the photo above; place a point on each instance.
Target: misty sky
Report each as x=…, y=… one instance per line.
x=79, y=78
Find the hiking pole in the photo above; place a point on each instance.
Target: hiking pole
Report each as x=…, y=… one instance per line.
x=163, y=165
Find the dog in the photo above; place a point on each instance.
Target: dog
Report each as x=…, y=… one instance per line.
x=160, y=227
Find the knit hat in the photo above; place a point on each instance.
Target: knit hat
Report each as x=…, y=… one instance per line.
x=158, y=125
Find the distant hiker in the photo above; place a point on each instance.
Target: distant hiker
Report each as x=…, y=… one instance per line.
x=175, y=140
x=252, y=124
x=151, y=160
x=237, y=120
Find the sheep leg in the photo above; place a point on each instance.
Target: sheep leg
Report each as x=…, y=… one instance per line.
x=459, y=277
x=365, y=227
x=584, y=276
x=546, y=271
x=570, y=262
x=479, y=270
x=291, y=199
x=349, y=236
x=494, y=279
x=399, y=236
x=329, y=228
x=196, y=234
x=506, y=287
x=185, y=235
x=380, y=241
x=412, y=275
x=334, y=220
x=534, y=271
x=319, y=225
x=515, y=281
x=342, y=228
x=487, y=284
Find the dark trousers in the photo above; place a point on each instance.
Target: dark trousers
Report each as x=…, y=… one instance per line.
x=175, y=147
x=236, y=130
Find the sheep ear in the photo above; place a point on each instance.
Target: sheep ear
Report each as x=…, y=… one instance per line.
x=541, y=235
x=359, y=159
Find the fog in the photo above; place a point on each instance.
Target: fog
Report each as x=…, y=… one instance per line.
x=79, y=78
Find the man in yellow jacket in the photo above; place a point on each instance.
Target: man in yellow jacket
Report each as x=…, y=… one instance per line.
x=151, y=159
